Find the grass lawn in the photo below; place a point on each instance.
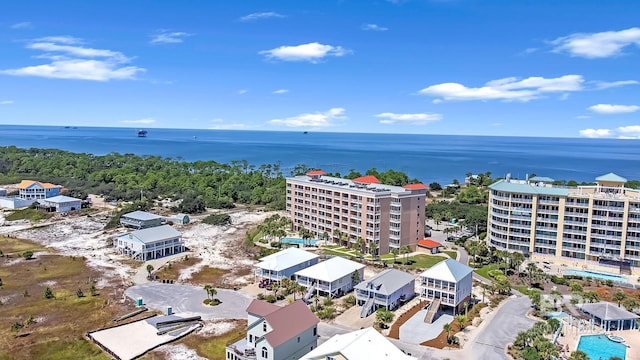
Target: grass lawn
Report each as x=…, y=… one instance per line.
x=452, y=254
x=28, y=214
x=59, y=323
x=484, y=271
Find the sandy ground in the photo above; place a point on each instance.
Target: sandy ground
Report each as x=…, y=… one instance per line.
x=74, y=235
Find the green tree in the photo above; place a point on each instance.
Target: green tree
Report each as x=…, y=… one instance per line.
x=28, y=255
x=149, y=270
x=48, y=293
x=16, y=327
x=619, y=296
x=207, y=289
x=461, y=320
x=394, y=252
x=384, y=316
x=578, y=355
x=448, y=329
x=405, y=250
x=79, y=293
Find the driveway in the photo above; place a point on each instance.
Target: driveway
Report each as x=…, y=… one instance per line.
x=187, y=299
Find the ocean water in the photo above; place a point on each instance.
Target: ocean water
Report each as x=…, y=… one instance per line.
x=428, y=158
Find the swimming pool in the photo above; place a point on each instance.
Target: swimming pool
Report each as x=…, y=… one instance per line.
x=599, y=347
x=557, y=315
x=596, y=275
x=298, y=241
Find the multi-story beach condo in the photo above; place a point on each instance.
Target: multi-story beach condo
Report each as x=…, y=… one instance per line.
x=598, y=223
x=360, y=211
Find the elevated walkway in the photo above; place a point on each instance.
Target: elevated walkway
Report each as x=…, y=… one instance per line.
x=309, y=293
x=433, y=311
x=366, y=308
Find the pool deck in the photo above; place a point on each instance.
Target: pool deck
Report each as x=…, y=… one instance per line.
x=558, y=266
x=631, y=339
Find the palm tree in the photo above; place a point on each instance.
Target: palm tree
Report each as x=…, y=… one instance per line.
x=149, y=270
x=405, y=250
x=461, y=320
x=337, y=236
x=532, y=271
x=394, y=251
x=448, y=329
x=465, y=305
x=213, y=292
x=619, y=296
x=208, y=288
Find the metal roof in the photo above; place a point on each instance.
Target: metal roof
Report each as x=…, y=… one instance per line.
x=61, y=199
x=611, y=177
x=387, y=282
x=285, y=259
x=360, y=344
x=448, y=270
x=607, y=311
x=331, y=270
x=163, y=232
x=141, y=215
x=524, y=188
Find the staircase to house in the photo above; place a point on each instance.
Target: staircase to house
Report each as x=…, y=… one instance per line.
x=366, y=308
x=433, y=310
x=309, y=293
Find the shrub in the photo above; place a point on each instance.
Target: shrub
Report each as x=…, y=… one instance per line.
x=270, y=298
x=48, y=293
x=217, y=219
x=559, y=280
x=261, y=296
x=350, y=300
x=27, y=255
x=276, y=244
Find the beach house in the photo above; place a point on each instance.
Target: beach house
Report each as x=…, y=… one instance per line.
x=34, y=190
x=150, y=243
x=276, y=333
x=332, y=277
x=284, y=264
x=140, y=220
x=388, y=289
x=448, y=283
x=60, y=204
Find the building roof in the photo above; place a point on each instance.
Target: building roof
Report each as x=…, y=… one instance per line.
x=542, y=178
x=387, y=282
x=316, y=172
x=282, y=322
x=141, y=215
x=163, y=232
x=448, y=270
x=261, y=308
x=331, y=270
x=26, y=183
x=416, y=186
x=607, y=311
x=61, y=199
x=360, y=344
x=428, y=243
x=353, y=185
x=285, y=259
x=611, y=177
x=367, y=179
x=522, y=187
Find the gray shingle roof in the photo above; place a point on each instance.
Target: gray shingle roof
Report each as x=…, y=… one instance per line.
x=387, y=282
x=608, y=311
x=164, y=232
x=141, y=215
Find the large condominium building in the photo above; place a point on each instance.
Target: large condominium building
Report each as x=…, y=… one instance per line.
x=592, y=223
x=360, y=211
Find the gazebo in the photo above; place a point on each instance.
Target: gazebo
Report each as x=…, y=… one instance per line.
x=610, y=317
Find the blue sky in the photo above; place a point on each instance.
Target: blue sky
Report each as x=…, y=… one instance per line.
x=523, y=68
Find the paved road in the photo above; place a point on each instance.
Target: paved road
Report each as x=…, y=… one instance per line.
x=188, y=299
x=502, y=329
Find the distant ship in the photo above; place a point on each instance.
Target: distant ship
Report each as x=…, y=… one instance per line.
x=142, y=133
x=306, y=132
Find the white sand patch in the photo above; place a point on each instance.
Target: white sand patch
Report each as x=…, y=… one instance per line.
x=179, y=352
x=217, y=328
x=49, y=283
x=80, y=236
x=218, y=246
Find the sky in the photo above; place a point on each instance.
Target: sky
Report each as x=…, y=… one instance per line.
x=463, y=67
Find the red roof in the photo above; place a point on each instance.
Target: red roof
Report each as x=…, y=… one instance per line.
x=428, y=243
x=416, y=186
x=368, y=179
x=281, y=319
x=316, y=172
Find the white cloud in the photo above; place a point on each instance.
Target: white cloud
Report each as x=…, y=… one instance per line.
x=507, y=89
x=312, y=52
x=139, y=121
x=583, y=117
x=6, y=102
x=261, y=15
x=242, y=91
x=165, y=37
x=622, y=132
x=280, y=91
x=595, y=133
x=22, y=25
x=373, y=27
x=317, y=119
x=219, y=124
x=613, y=109
x=597, y=45
x=601, y=85
x=69, y=59
x=417, y=119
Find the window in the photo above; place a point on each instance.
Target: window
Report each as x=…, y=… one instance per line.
x=315, y=333
x=250, y=338
x=264, y=326
x=298, y=338
x=265, y=353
